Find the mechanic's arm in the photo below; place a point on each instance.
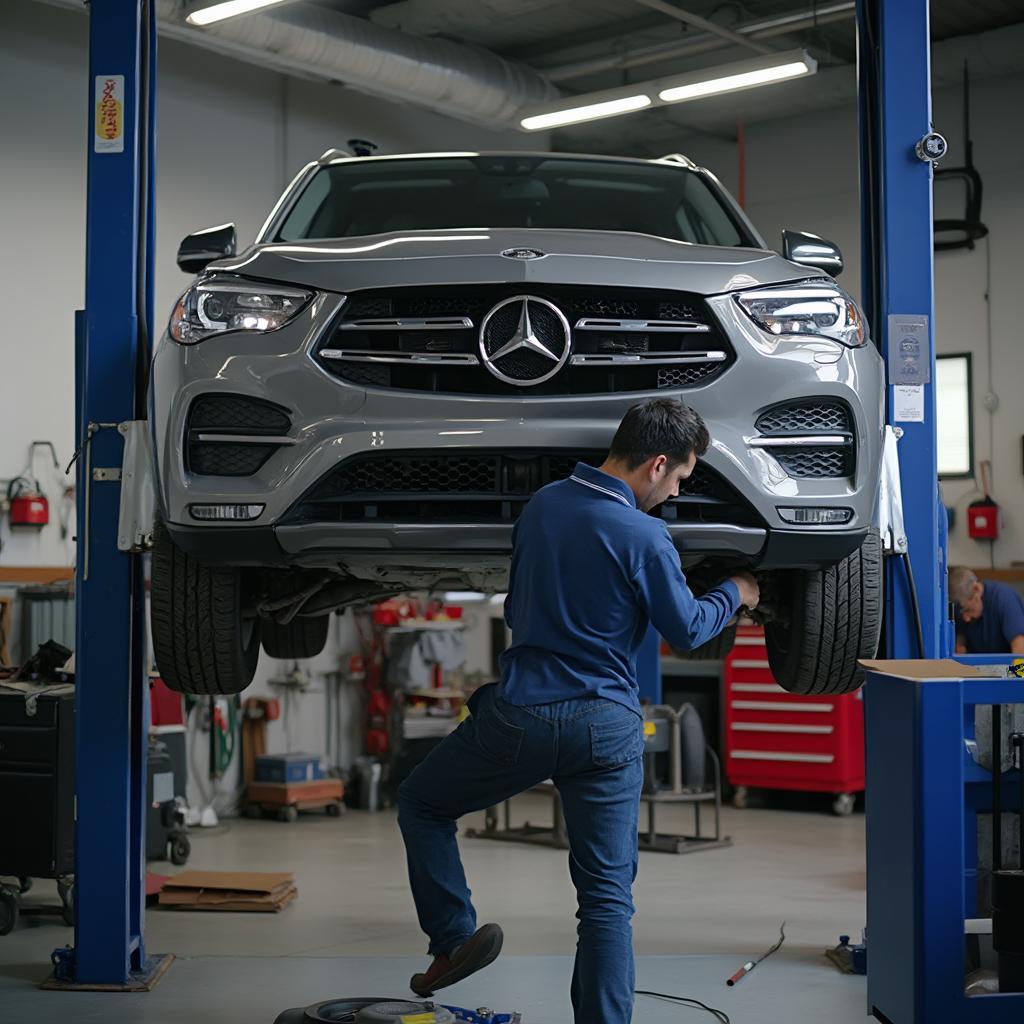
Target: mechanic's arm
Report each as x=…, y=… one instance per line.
x=961, y=645
x=1017, y=644
x=683, y=620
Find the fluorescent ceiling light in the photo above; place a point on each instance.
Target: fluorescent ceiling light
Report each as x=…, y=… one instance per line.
x=228, y=9
x=588, y=112
x=732, y=83
x=693, y=85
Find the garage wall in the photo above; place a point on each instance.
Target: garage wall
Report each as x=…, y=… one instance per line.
x=230, y=138
x=803, y=173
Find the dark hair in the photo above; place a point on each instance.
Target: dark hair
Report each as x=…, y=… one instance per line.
x=662, y=426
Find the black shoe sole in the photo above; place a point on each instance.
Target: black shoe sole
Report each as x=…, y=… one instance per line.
x=486, y=945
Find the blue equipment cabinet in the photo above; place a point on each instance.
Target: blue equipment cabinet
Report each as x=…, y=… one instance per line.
x=924, y=793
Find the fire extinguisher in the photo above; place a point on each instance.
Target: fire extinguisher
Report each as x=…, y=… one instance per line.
x=29, y=508
x=983, y=515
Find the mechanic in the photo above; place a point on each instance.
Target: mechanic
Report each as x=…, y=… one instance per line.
x=989, y=615
x=590, y=570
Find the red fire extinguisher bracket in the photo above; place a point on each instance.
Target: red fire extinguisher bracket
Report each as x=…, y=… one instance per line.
x=983, y=519
x=29, y=507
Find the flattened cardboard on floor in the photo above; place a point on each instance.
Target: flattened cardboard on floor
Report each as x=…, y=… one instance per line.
x=266, y=892
x=921, y=668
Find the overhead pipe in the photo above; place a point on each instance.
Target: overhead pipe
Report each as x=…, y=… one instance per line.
x=312, y=42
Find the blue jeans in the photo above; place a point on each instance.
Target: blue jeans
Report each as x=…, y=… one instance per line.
x=592, y=750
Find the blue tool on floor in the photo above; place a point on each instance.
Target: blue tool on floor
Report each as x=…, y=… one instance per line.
x=391, y=1011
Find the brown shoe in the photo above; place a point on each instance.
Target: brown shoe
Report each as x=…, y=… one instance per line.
x=473, y=955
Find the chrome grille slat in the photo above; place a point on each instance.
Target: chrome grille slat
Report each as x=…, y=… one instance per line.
x=425, y=358
x=645, y=358
x=423, y=323
x=681, y=326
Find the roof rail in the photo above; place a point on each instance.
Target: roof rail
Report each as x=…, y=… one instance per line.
x=677, y=158
x=333, y=154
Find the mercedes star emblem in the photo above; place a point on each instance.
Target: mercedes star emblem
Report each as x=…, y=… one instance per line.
x=524, y=340
x=523, y=254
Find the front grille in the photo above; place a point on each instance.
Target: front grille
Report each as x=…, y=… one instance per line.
x=806, y=418
x=228, y=459
x=431, y=339
x=815, y=417
x=237, y=413
x=486, y=486
x=815, y=463
x=225, y=416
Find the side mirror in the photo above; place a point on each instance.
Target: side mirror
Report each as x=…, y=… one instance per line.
x=812, y=251
x=203, y=247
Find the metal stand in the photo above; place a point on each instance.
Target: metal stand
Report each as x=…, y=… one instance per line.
x=650, y=840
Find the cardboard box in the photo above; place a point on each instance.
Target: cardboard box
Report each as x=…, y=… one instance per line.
x=289, y=767
x=261, y=892
x=923, y=669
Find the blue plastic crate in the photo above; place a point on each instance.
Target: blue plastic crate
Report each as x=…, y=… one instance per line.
x=289, y=768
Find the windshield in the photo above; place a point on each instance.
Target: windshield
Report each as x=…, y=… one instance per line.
x=376, y=196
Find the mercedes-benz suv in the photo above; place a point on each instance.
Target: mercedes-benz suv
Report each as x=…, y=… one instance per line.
x=362, y=401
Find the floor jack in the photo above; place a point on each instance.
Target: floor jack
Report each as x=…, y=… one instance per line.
x=391, y=1011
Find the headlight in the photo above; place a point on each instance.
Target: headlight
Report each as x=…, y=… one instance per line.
x=806, y=310
x=221, y=304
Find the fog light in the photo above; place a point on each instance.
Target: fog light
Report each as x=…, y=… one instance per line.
x=816, y=516
x=226, y=511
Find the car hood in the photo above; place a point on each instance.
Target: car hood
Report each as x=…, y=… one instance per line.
x=475, y=255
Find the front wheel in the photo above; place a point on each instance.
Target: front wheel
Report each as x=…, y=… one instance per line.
x=203, y=639
x=834, y=619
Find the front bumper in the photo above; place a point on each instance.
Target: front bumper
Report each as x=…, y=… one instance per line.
x=333, y=420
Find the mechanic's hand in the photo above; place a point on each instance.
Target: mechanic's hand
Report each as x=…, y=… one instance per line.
x=750, y=592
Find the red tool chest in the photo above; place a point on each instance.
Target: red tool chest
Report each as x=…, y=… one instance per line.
x=780, y=740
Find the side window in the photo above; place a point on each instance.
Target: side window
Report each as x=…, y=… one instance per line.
x=305, y=211
x=953, y=415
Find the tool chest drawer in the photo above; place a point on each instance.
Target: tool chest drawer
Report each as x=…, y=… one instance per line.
x=780, y=740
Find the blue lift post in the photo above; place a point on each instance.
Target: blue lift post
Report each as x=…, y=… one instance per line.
x=112, y=352
x=894, y=71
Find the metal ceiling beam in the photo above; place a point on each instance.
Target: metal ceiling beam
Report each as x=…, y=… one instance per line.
x=765, y=28
x=689, y=18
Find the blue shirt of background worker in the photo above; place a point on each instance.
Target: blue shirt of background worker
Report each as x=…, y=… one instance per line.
x=990, y=615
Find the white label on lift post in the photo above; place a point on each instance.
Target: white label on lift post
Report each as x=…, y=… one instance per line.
x=109, y=114
x=908, y=403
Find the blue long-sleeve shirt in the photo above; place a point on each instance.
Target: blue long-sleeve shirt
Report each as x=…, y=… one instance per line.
x=589, y=572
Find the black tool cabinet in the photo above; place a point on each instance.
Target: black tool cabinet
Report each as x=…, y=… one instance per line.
x=37, y=792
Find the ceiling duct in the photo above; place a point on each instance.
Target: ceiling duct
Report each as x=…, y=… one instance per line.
x=454, y=79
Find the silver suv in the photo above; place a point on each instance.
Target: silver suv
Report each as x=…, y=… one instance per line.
x=362, y=401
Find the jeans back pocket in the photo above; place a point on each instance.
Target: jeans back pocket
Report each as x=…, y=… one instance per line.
x=617, y=741
x=498, y=739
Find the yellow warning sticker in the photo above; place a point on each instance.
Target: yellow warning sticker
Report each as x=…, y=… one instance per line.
x=650, y=728
x=419, y=1018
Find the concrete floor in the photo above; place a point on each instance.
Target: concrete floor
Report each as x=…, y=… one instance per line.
x=699, y=917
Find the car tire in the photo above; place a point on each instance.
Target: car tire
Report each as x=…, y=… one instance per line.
x=202, y=641
x=715, y=649
x=303, y=637
x=835, y=619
